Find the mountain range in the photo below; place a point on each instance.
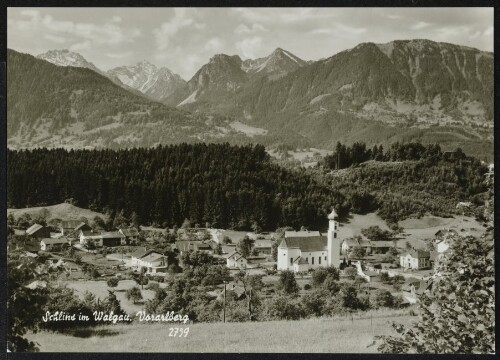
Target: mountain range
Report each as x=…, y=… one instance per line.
x=377, y=93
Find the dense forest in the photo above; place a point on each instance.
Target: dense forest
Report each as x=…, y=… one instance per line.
x=225, y=186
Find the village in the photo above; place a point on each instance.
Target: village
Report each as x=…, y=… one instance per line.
x=374, y=258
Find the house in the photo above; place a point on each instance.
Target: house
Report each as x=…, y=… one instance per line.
x=236, y=260
x=367, y=245
x=138, y=254
x=112, y=238
x=445, y=233
x=368, y=275
x=381, y=247
x=131, y=235
x=109, y=238
x=38, y=231
x=82, y=226
x=154, y=263
x=415, y=259
x=68, y=226
x=316, y=250
x=350, y=243
x=413, y=288
x=88, y=235
x=263, y=246
x=186, y=245
x=51, y=244
x=239, y=291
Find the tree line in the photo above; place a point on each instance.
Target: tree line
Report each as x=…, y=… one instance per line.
x=222, y=185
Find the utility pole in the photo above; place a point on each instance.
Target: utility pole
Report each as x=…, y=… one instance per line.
x=224, y=313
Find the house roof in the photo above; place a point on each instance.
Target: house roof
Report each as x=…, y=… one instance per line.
x=380, y=244
x=153, y=256
x=33, y=229
x=185, y=245
x=111, y=235
x=52, y=241
x=409, y=282
x=236, y=256
x=289, y=234
x=417, y=254
x=130, y=232
x=233, y=254
x=263, y=243
x=87, y=233
x=364, y=243
x=309, y=243
x=139, y=253
x=82, y=225
x=70, y=224
x=351, y=242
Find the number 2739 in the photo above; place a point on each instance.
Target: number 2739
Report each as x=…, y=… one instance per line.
x=178, y=332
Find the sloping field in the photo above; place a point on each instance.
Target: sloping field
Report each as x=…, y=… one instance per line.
x=306, y=336
x=60, y=211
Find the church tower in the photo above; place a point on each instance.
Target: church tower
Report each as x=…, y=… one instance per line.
x=333, y=246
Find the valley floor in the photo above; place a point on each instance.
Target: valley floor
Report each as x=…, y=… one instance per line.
x=338, y=335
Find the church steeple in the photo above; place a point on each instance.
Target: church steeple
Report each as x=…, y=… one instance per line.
x=333, y=246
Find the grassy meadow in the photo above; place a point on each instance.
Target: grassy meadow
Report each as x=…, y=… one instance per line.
x=320, y=335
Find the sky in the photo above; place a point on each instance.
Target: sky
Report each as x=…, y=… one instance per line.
x=183, y=39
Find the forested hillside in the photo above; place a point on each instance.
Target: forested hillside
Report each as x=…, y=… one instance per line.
x=407, y=180
x=228, y=187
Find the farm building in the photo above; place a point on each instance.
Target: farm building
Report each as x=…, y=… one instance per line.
x=236, y=260
x=413, y=288
x=38, y=231
x=153, y=261
x=313, y=251
x=415, y=259
x=263, y=246
x=68, y=226
x=51, y=244
x=185, y=245
x=131, y=235
x=350, y=243
x=381, y=247
x=111, y=238
x=82, y=226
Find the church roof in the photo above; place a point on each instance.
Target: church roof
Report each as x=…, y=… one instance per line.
x=308, y=243
x=333, y=215
x=302, y=233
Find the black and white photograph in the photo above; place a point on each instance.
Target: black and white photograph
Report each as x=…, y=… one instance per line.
x=250, y=180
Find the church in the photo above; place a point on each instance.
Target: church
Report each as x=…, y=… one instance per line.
x=304, y=250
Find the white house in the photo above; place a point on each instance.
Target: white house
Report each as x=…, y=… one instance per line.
x=415, y=259
x=236, y=260
x=299, y=253
x=109, y=238
x=131, y=235
x=153, y=261
x=53, y=244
